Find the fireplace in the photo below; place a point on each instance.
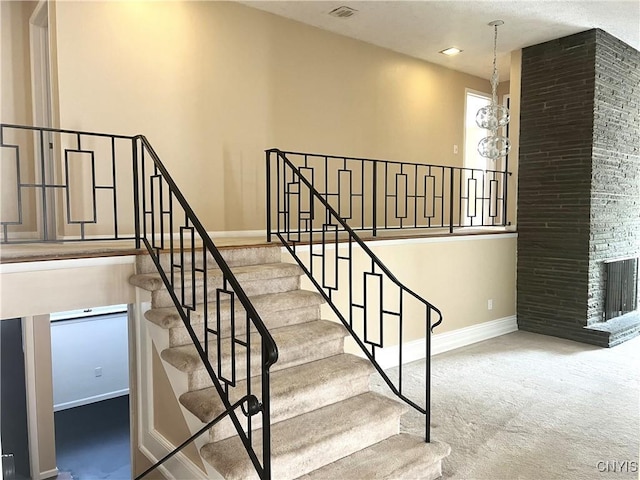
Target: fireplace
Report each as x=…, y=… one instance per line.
x=621, y=294
x=579, y=189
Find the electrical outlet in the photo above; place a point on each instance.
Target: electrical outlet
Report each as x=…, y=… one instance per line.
x=98, y=371
x=490, y=304
x=455, y=149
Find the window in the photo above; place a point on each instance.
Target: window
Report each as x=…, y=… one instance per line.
x=474, y=101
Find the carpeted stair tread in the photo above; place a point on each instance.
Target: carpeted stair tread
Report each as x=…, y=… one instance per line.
x=244, y=273
x=307, y=442
x=326, y=423
x=402, y=456
x=294, y=342
x=283, y=278
x=294, y=391
x=168, y=317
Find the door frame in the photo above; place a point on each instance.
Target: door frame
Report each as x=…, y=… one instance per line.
x=41, y=99
x=40, y=65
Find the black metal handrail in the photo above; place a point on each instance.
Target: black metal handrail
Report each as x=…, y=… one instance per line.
x=186, y=266
x=376, y=195
x=52, y=168
x=305, y=218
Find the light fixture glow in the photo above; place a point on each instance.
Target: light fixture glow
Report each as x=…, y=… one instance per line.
x=451, y=51
x=494, y=116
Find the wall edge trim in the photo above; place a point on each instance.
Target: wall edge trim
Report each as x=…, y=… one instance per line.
x=154, y=446
x=66, y=263
x=49, y=473
x=410, y=241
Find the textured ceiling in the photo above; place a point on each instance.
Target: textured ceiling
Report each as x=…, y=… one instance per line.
x=423, y=28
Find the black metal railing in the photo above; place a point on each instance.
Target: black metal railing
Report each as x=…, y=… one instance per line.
x=65, y=185
x=377, y=310
x=373, y=195
x=192, y=268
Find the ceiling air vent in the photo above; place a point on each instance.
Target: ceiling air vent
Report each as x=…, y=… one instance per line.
x=342, y=12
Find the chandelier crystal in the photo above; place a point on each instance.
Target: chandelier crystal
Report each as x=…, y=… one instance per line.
x=494, y=116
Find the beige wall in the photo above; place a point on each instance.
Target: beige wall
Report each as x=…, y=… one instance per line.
x=212, y=84
x=15, y=62
x=16, y=107
x=46, y=287
x=458, y=275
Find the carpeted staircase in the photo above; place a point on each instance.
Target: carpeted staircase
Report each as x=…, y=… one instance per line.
x=326, y=423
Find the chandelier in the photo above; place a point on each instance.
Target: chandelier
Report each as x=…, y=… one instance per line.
x=494, y=116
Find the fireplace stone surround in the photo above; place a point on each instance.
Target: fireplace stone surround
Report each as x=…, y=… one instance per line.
x=579, y=184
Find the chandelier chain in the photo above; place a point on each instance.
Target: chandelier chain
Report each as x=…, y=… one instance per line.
x=494, y=75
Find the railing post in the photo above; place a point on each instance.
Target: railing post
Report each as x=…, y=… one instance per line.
x=451, y=170
x=268, y=157
x=266, y=418
x=43, y=183
x=428, y=380
x=505, y=188
x=375, y=198
x=136, y=192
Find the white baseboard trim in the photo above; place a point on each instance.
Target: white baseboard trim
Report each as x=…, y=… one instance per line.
x=48, y=473
x=92, y=399
x=155, y=446
x=444, y=342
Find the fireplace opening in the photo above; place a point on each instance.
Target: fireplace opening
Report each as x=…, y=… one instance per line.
x=622, y=287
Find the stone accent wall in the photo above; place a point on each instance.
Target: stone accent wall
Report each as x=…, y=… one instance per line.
x=579, y=179
x=615, y=187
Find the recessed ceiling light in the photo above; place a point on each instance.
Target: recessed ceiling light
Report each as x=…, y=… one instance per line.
x=451, y=51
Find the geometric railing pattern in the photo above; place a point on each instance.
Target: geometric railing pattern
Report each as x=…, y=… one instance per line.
x=382, y=315
x=376, y=195
x=65, y=185
x=235, y=345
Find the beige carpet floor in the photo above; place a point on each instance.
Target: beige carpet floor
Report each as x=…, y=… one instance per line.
x=528, y=406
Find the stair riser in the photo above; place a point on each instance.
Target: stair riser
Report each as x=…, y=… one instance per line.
x=233, y=257
x=161, y=298
x=319, y=447
x=424, y=472
x=298, y=403
x=179, y=335
x=337, y=447
x=243, y=274
x=200, y=379
x=402, y=456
